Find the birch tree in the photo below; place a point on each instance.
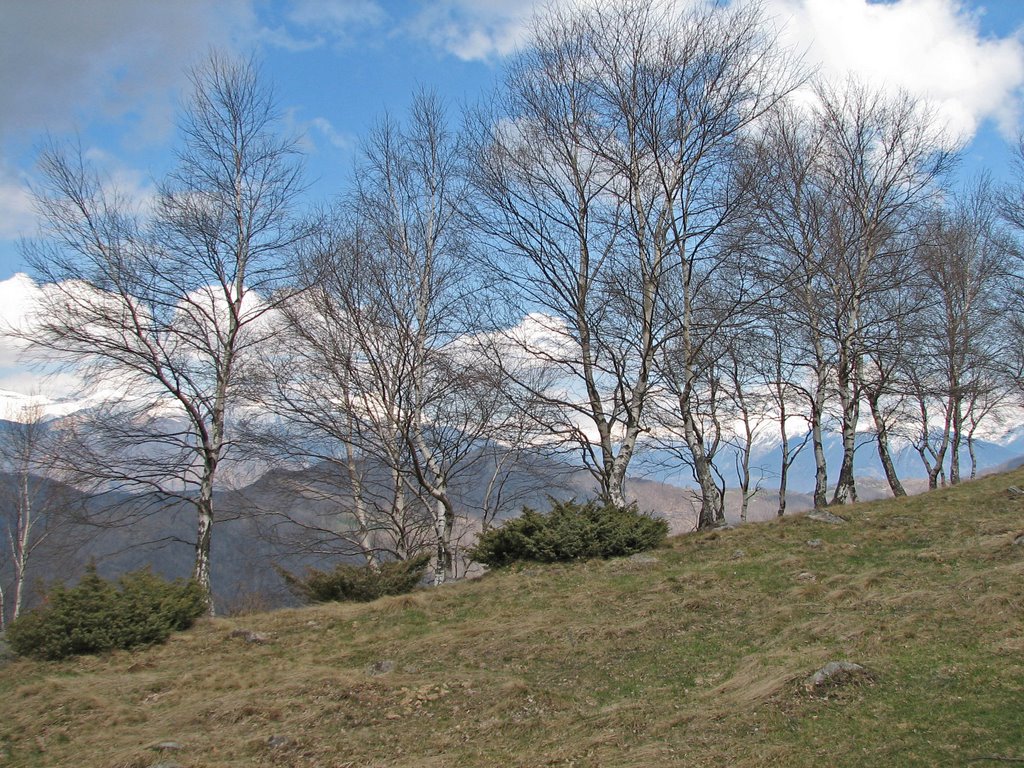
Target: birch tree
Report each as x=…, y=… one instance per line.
x=380, y=373
x=161, y=309
x=794, y=218
x=884, y=158
x=965, y=262
x=36, y=508
x=605, y=172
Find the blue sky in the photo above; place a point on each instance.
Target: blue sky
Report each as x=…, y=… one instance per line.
x=111, y=71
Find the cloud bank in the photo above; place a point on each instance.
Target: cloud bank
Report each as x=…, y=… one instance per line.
x=934, y=49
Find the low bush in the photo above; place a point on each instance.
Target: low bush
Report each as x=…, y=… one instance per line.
x=97, y=615
x=570, y=531
x=355, y=583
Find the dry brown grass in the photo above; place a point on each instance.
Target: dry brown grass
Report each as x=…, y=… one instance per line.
x=695, y=660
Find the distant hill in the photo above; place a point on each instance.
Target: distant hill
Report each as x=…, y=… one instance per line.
x=992, y=455
x=253, y=536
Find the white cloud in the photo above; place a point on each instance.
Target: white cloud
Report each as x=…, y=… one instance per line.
x=473, y=30
x=334, y=137
x=933, y=49
x=18, y=296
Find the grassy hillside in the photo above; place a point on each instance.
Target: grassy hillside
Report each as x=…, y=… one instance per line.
x=699, y=659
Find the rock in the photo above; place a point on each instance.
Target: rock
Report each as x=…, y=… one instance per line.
x=256, y=638
x=642, y=558
x=166, y=746
x=806, y=576
x=165, y=764
x=278, y=742
x=824, y=516
x=835, y=673
x=814, y=543
x=1015, y=492
x=1019, y=540
x=382, y=667
x=738, y=554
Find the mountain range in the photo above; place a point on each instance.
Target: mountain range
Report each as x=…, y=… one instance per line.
x=266, y=515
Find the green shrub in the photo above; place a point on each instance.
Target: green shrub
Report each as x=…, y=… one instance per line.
x=570, y=531
x=98, y=615
x=354, y=583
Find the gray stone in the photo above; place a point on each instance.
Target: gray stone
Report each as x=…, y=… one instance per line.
x=806, y=576
x=165, y=764
x=642, y=558
x=738, y=554
x=1015, y=492
x=382, y=667
x=166, y=746
x=824, y=516
x=256, y=638
x=814, y=543
x=1019, y=540
x=278, y=742
x=835, y=673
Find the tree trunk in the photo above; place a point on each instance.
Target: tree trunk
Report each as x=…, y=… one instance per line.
x=21, y=548
x=403, y=546
x=359, y=509
x=954, y=445
x=204, y=533
x=938, y=468
x=784, y=466
x=444, y=524
x=710, y=495
x=846, y=489
x=817, y=438
x=882, y=438
x=616, y=495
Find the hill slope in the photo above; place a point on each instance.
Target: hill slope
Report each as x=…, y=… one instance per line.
x=696, y=658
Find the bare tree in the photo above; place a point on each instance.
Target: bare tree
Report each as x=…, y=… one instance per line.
x=794, y=220
x=890, y=333
x=883, y=157
x=1010, y=206
x=779, y=372
x=162, y=311
x=963, y=339
x=379, y=371
x=748, y=410
x=36, y=506
x=606, y=172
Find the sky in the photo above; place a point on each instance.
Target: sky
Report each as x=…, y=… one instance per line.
x=110, y=73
